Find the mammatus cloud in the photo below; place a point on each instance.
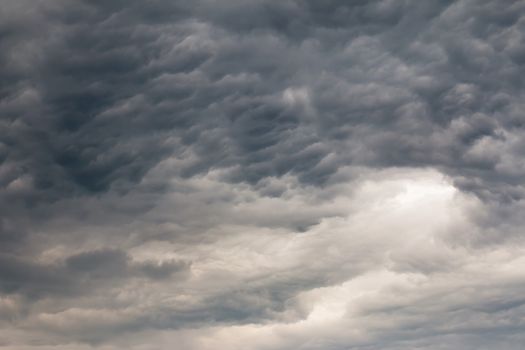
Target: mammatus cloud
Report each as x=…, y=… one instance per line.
x=261, y=174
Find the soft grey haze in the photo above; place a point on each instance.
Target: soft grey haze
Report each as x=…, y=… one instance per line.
x=262, y=174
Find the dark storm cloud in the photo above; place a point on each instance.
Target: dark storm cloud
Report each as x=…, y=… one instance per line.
x=105, y=91
x=108, y=108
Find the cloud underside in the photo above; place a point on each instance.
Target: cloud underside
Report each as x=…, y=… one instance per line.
x=262, y=174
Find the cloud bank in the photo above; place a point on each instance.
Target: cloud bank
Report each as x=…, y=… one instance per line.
x=262, y=175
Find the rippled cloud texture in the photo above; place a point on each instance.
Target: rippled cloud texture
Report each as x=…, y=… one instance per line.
x=262, y=175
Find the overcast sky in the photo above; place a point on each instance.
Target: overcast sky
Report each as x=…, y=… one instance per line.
x=262, y=174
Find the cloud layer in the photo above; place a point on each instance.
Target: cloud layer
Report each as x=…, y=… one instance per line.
x=261, y=174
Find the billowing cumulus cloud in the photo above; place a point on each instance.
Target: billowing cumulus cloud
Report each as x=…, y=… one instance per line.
x=262, y=175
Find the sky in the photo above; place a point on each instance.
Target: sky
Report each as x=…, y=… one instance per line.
x=262, y=175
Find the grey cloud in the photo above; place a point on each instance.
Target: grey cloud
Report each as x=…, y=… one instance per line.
x=129, y=125
x=116, y=83
x=80, y=273
x=29, y=277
